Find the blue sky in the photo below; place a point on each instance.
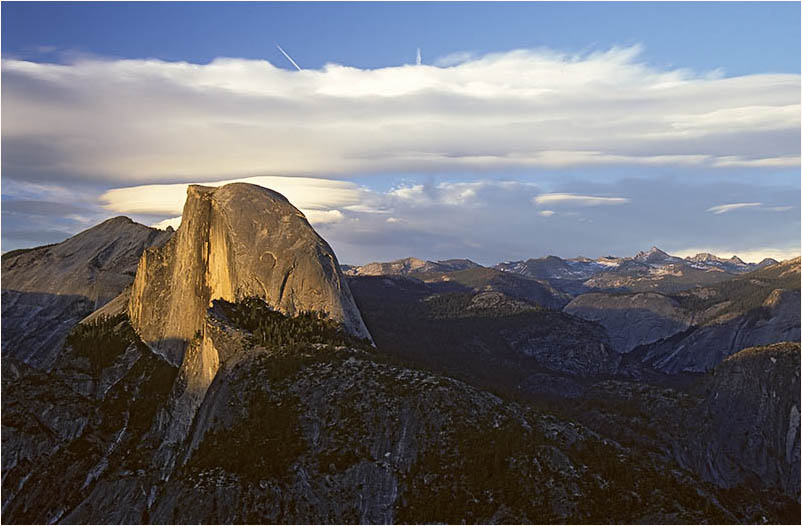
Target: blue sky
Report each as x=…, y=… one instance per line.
x=739, y=37
x=564, y=128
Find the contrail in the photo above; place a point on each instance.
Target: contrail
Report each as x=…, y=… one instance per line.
x=288, y=58
x=417, y=59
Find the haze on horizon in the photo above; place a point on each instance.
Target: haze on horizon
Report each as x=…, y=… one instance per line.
x=545, y=132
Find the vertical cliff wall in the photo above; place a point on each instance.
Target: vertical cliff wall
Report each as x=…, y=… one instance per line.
x=236, y=241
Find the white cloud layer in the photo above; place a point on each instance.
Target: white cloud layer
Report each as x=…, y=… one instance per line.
x=319, y=199
x=322, y=201
x=173, y=222
x=142, y=121
x=723, y=209
x=577, y=200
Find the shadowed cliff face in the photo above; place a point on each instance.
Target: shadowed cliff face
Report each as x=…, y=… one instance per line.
x=236, y=241
x=47, y=290
x=632, y=319
x=704, y=347
x=754, y=407
x=695, y=330
x=736, y=426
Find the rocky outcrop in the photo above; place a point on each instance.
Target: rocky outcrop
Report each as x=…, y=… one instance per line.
x=632, y=319
x=753, y=406
x=47, y=290
x=234, y=242
x=703, y=347
x=66, y=430
x=737, y=426
x=352, y=440
x=564, y=345
x=695, y=330
x=491, y=280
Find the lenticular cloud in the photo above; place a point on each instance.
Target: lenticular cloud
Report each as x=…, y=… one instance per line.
x=142, y=121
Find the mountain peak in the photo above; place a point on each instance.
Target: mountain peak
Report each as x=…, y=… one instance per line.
x=766, y=262
x=654, y=254
x=703, y=257
x=236, y=241
x=117, y=220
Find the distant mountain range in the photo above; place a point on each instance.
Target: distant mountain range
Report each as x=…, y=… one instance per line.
x=652, y=270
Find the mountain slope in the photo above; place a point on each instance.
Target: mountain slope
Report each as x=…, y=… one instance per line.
x=632, y=319
x=757, y=308
x=298, y=427
x=736, y=426
x=488, y=338
x=46, y=290
x=753, y=403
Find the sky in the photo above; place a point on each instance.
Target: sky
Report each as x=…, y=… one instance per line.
x=491, y=131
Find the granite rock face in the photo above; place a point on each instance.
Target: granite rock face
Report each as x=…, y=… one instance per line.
x=705, y=346
x=753, y=406
x=632, y=319
x=695, y=330
x=320, y=434
x=234, y=242
x=737, y=426
x=47, y=290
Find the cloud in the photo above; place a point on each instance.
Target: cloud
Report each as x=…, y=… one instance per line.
x=454, y=59
x=317, y=198
x=410, y=193
x=740, y=162
x=723, y=209
x=306, y=193
x=173, y=222
x=453, y=193
x=320, y=217
x=577, y=200
x=147, y=121
x=496, y=221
